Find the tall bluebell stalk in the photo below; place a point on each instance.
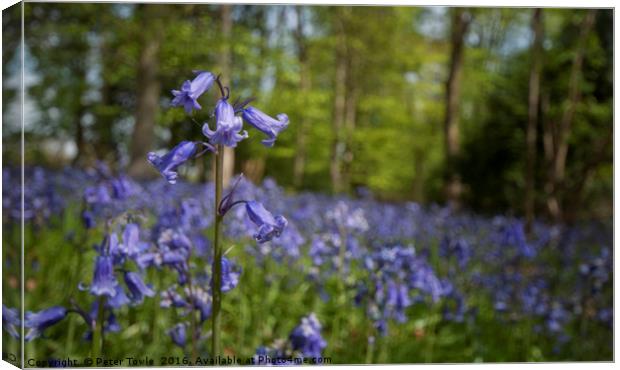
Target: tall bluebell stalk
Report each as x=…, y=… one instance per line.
x=105, y=272
x=217, y=254
x=228, y=131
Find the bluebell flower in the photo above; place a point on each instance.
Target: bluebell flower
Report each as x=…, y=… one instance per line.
x=111, y=325
x=119, y=299
x=115, y=249
x=38, y=322
x=268, y=225
x=306, y=337
x=123, y=187
x=170, y=298
x=266, y=124
x=192, y=90
x=148, y=259
x=137, y=288
x=202, y=301
x=132, y=246
x=10, y=320
x=398, y=299
x=104, y=281
x=230, y=275
x=98, y=194
x=227, y=127
x=88, y=219
x=178, y=334
x=167, y=165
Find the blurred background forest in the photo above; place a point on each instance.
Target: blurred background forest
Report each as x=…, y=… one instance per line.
x=495, y=110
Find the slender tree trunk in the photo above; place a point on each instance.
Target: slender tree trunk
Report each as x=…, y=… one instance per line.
x=225, y=68
x=548, y=136
x=304, y=89
x=460, y=24
x=338, y=143
x=563, y=130
x=147, y=99
x=533, y=104
x=350, y=117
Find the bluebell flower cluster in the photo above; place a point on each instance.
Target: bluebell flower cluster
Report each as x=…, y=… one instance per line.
x=399, y=279
x=228, y=130
x=306, y=337
x=389, y=279
x=107, y=197
x=305, y=340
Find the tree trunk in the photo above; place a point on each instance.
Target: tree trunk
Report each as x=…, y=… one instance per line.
x=460, y=23
x=225, y=63
x=418, y=181
x=563, y=130
x=304, y=89
x=532, y=120
x=338, y=143
x=147, y=99
x=350, y=117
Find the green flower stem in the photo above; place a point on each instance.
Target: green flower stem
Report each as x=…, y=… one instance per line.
x=370, y=348
x=193, y=324
x=341, y=294
x=97, y=343
x=217, y=256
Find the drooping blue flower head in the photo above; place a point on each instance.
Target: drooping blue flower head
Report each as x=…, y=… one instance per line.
x=230, y=275
x=38, y=322
x=132, y=246
x=88, y=219
x=167, y=165
x=119, y=299
x=398, y=300
x=268, y=225
x=178, y=334
x=192, y=90
x=306, y=337
x=137, y=288
x=227, y=127
x=104, y=281
x=265, y=124
x=10, y=320
x=170, y=298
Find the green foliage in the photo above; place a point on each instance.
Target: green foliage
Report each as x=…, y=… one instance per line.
x=268, y=302
x=83, y=59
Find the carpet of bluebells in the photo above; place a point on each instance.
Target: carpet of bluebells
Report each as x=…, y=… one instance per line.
x=349, y=278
